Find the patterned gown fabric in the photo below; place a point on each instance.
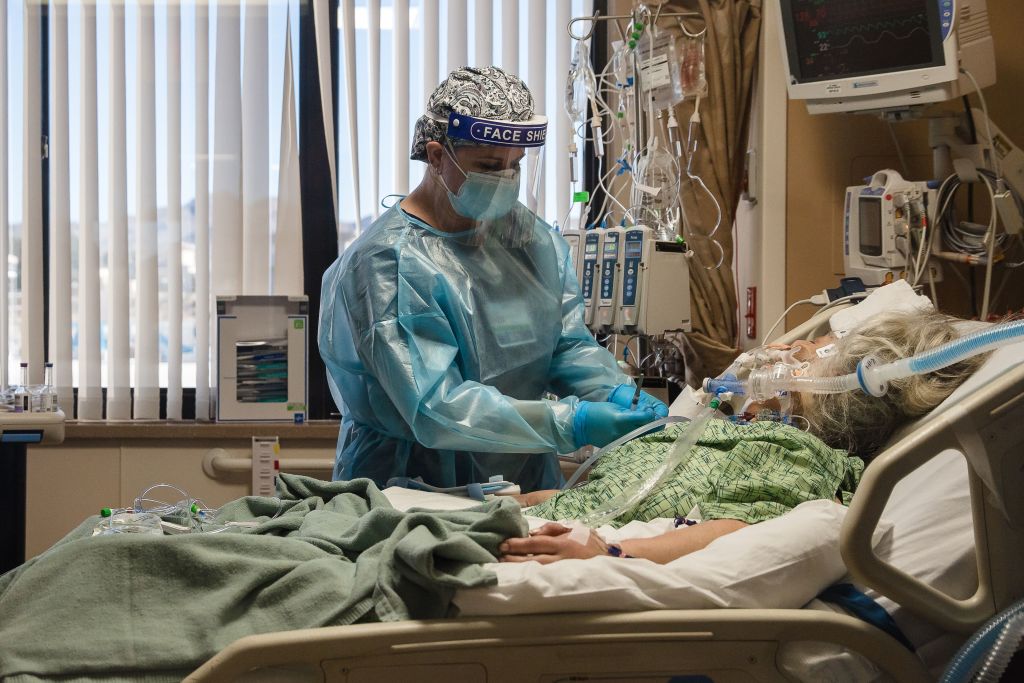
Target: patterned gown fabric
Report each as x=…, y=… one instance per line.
x=751, y=473
x=486, y=92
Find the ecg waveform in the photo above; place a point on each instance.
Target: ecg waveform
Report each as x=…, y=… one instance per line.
x=837, y=38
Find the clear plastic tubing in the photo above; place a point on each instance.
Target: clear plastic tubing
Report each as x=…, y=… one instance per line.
x=596, y=455
x=871, y=376
x=993, y=645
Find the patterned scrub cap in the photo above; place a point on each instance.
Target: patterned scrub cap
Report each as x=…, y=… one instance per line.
x=485, y=92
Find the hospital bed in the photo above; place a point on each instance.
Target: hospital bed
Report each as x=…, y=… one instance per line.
x=924, y=571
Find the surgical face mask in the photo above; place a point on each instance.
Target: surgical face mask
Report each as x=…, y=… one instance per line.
x=484, y=196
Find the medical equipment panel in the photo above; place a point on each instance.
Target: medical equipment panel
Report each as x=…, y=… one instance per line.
x=590, y=270
x=261, y=358
x=611, y=269
x=655, y=291
x=886, y=228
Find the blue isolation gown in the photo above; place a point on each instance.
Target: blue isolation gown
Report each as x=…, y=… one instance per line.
x=439, y=347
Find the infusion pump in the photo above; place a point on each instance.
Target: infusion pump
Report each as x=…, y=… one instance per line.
x=630, y=282
x=883, y=222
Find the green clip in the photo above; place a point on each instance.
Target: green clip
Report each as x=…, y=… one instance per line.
x=632, y=44
x=581, y=196
x=105, y=512
x=639, y=26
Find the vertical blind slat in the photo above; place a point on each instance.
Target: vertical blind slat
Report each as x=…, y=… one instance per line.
x=60, y=207
x=431, y=54
x=255, y=151
x=400, y=44
x=288, y=234
x=510, y=36
x=90, y=392
x=118, y=390
x=483, y=49
x=4, y=226
x=458, y=36
x=32, y=205
x=202, y=226
x=226, y=223
x=535, y=80
x=348, y=38
x=174, y=269
x=147, y=264
x=373, y=30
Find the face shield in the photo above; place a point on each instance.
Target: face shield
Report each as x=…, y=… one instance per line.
x=501, y=162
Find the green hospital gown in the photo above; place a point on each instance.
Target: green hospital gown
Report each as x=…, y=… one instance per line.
x=746, y=472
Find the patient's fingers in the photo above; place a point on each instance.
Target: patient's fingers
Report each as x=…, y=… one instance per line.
x=533, y=544
x=551, y=529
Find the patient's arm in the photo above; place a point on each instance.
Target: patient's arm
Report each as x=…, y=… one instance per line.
x=551, y=543
x=681, y=541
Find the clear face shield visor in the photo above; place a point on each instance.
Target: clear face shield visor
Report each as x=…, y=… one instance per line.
x=501, y=164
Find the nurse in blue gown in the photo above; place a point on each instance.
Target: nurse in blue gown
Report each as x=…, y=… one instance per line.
x=446, y=324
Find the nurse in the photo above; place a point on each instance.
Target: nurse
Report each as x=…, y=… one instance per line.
x=444, y=325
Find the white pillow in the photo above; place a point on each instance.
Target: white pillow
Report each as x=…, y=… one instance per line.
x=783, y=562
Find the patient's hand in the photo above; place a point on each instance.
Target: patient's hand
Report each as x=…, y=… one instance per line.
x=551, y=543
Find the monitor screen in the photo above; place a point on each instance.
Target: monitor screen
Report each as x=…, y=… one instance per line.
x=832, y=39
x=869, y=211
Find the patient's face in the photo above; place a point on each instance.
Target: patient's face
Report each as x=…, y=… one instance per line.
x=807, y=349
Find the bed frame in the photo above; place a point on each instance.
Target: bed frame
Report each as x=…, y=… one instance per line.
x=699, y=646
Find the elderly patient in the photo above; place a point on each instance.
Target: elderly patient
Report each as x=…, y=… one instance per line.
x=737, y=474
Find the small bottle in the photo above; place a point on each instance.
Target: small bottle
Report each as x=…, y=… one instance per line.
x=48, y=393
x=22, y=398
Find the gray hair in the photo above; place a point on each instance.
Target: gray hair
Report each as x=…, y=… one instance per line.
x=861, y=424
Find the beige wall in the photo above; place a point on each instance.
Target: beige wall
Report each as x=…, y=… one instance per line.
x=828, y=152
x=69, y=482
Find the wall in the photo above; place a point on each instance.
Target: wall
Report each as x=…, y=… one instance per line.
x=69, y=482
x=828, y=152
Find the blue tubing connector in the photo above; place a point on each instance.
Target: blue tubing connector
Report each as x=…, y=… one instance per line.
x=993, y=644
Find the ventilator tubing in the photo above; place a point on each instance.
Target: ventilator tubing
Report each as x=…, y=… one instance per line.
x=681, y=451
x=596, y=455
x=872, y=376
x=993, y=646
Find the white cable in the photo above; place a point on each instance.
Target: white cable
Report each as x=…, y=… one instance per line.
x=988, y=121
x=764, y=340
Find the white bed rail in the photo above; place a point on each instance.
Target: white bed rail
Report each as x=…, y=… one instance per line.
x=724, y=645
x=987, y=429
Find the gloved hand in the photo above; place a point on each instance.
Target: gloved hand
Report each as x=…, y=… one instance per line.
x=622, y=395
x=600, y=423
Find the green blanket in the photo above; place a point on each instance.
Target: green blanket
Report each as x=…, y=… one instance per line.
x=128, y=606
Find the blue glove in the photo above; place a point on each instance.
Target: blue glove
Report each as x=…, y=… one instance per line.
x=601, y=423
x=622, y=395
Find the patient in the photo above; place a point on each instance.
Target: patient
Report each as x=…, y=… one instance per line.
x=738, y=475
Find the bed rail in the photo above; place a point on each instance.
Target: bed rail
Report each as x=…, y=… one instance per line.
x=719, y=644
x=986, y=429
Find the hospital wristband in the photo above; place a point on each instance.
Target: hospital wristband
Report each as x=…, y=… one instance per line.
x=616, y=551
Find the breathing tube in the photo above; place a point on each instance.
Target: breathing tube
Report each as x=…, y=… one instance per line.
x=640, y=489
x=993, y=646
x=871, y=376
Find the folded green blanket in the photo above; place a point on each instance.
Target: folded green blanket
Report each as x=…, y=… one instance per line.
x=129, y=606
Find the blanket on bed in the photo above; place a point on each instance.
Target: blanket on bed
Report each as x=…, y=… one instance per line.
x=127, y=606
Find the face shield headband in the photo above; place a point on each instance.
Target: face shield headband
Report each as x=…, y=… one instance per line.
x=530, y=133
